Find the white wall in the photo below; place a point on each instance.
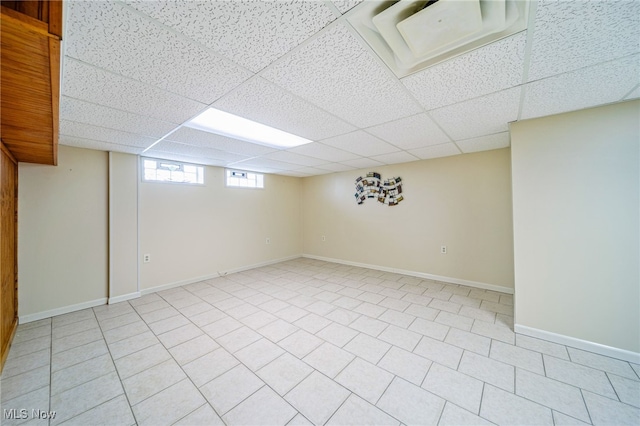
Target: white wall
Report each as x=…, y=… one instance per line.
x=123, y=226
x=194, y=231
x=62, y=232
x=576, y=210
x=463, y=202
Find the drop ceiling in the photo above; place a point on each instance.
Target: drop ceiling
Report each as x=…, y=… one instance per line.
x=135, y=71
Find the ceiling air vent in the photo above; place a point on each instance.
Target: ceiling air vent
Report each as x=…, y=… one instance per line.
x=412, y=35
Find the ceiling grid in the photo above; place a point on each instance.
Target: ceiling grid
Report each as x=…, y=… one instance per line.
x=134, y=72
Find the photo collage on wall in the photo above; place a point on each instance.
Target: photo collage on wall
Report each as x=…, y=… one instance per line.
x=387, y=192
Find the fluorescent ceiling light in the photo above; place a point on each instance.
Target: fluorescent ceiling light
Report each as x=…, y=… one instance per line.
x=225, y=124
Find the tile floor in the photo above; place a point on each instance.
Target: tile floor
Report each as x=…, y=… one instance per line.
x=308, y=342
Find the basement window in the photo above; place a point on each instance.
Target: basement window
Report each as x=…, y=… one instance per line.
x=172, y=171
x=244, y=179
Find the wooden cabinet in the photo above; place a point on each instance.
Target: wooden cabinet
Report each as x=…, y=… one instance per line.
x=30, y=34
x=30, y=90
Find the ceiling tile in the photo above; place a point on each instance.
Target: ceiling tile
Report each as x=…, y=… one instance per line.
x=336, y=167
x=411, y=132
x=197, y=152
x=126, y=43
x=345, y=5
x=87, y=131
x=294, y=173
x=436, y=151
x=336, y=73
x=481, y=116
x=252, y=34
x=189, y=136
x=361, y=143
x=362, y=163
x=491, y=68
x=396, y=157
x=266, y=103
x=573, y=34
x=313, y=171
x=82, y=81
x=98, y=145
x=98, y=115
x=184, y=158
x=265, y=163
x=293, y=158
x=566, y=92
x=485, y=143
x=634, y=94
x=324, y=152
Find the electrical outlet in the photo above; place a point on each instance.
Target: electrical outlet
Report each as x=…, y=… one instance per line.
x=146, y=258
x=443, y=249
x=324, y=238
x=268, y=240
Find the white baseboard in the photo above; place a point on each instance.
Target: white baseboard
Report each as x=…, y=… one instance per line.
x=63, y=310
x=123, y=297
x=451, y=280
x=216, y=275
x=579, y=343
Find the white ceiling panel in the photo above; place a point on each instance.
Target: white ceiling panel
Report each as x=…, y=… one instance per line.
x=313, y=171
x=293, y=158
x=324, y=152
x=482, y=71
x=196, y=151
x=481, y=116
x=363, y=163
x=361, y=143
x=189, y=136
x=566, y=92
x=335, y=167
x=85, y=82
x=346, y=5
x=436, y=151
x=129, y=44
x=412, y=132
x=97, y=145
x=573, y=34
x=634, y=94
x=485, y=143
x=396, y=157
x=252, y=34
x=87, y=131
x=265, y=163
x=102, y=116
x=184, y=158
x=266, y=103
x=335, y=72
x=294, y=173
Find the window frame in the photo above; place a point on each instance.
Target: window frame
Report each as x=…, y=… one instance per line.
x=227, y=176
x=182, y=164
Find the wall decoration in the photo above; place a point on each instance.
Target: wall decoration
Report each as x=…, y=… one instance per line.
x=387, y=192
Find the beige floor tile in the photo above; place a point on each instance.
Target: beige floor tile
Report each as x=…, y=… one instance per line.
x=23, y=364
x=329, y=359
x=462, y=390
x=210, y=366
x=357, y=411
x=410, y=404
x=265, y=407
x=229, y=389
x=317, y=397
x=24, y=383
x=284, y=373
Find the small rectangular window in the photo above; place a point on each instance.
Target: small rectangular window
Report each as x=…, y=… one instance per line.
x=172, y=171
x=243, y=179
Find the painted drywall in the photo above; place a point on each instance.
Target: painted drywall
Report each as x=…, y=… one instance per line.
x=193, y=231
x=463, y=202
x=62, y=232
x=576, y=189
x=123, y=226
